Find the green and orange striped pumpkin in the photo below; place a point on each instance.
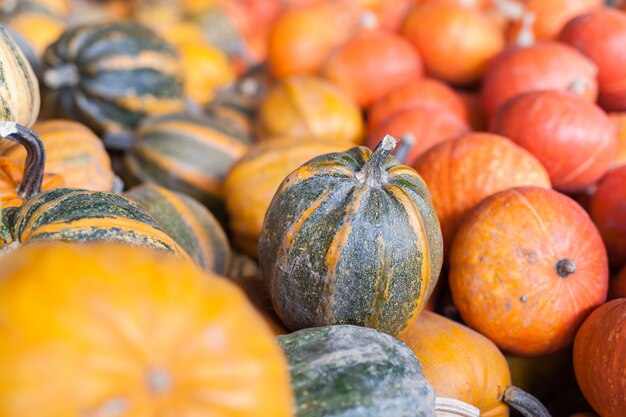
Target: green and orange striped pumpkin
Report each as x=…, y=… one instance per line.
x=189, y=223
x=189, y=154
x=351, y=238
x=73, y=215
x=111, y=75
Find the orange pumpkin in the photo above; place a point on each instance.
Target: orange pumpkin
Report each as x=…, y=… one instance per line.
x=460, y=363
x=455, y=43
x=461, y=173
x=73, y=151
x=608, y=211
x=425, y=127
x=12, y=177
x=543, y=66
x=617, y=286
x=600, y=358
x=308, y=107
x=619, y=124
x=421, y=92
x=527, y=267
x=600, y=35
x=573, y=138
x=372, y=64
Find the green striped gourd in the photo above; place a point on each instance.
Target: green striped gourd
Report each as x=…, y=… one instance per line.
x=351, y=238
x=189, y=154
x=111, y=75
x=350, y=371
x=190, y=224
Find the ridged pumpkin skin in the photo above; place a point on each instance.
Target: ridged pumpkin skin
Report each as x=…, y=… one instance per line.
x=600, y=35
x=73, y=151
x=308, y=107
x=351, y=239
x=527, y=267
x=599, y=358
x=254, y=179
x=460, y=363
x=463, y=172
x=73, y=215
x=19, y=89
x=111, y=75
x=608, y=211
x=187, y=221
x=12, y=175
x=544, y=66
x=144, y=335
x=341, y=371
x=576, y=153
x=188, y=154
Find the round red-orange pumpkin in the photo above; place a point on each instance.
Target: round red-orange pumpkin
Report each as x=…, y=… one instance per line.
x=600, y=358
x=461, y=173
x=573, y=138
x=427, y=128
x=372, y=64
x=455, y=43
x=424, y=92
x=601, y=36
x=544, y=66
x=527, y=266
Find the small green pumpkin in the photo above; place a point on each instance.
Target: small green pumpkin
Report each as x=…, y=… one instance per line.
x=350, y=371
x=190, y=224
x=189, y=154
x=111, y=75
x=351, y=238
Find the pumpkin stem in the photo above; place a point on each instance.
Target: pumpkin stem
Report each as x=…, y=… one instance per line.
x=526, y=35
x=526, y=404
x=512, y=10
x=579, y=86
x=407, y=142
x=35, y=156
x=372, y=174
x=449, y=407
x=565, y=267
x=62, y=76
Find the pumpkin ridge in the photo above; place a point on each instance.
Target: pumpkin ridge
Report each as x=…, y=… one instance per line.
x=145, y=60
x=25, y=69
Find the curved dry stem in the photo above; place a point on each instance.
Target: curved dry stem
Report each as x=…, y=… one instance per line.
x=525, y=403
x=371, y=173
x=35, y=157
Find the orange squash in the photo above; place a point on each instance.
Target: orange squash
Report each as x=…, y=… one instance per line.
x=12, y=177
x=308, y=107
x=143, y=333
x=463, y=172
x=617, y=286
x=527, y=267
x=460, y=363
x=599, y=358
x=372, y=64
x=455, y=43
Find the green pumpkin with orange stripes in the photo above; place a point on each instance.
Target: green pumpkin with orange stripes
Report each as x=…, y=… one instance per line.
x=351, y=238
x=188, y=154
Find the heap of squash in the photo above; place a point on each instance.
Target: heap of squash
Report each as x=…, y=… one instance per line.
x=312, y=208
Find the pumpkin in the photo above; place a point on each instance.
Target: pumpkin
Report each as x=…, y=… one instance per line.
x=256, y=289
x=110, y=76
x=143, y=334
x=19, y=90
x=455, y=42
x=347, y=370
x=73, y=215
x=600, y=36
x=599, y=358
x=526, y=268
x=254, y=179
x=619, y=124
x=351, y=238
x=189, y=154
x=617, y=286
x=422, y=92
x=191, y=225
x=544, y=66
x=608, y=211
x=389, y=14
x=308, y=107
x=550, y=16
x=460, y=363
x=12, y=177
x=424, y=127
x=372, y=64
x=463, y=172
x=576, y=153
x=73, y=151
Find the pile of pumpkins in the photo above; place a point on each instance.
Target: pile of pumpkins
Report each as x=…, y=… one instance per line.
x=313, y=208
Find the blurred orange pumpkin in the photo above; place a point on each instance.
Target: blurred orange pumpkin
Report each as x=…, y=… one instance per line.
x=12, y=177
